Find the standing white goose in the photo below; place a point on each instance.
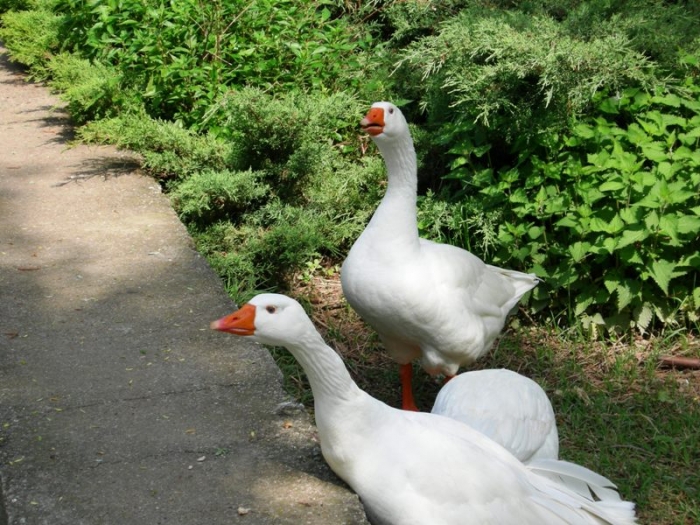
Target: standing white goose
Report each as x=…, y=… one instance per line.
x=505, y=406
x=428, y=301
x=414, y=468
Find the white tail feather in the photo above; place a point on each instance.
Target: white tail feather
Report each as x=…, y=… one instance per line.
x=601, y=498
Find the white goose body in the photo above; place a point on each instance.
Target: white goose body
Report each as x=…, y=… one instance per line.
x=426, y=300
x=509, y=408
x=417, y=468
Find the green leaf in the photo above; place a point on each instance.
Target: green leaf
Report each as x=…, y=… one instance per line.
x=584, y=131
x=598, y=225
x=582, y=302
x=662, y=273
x=612, y=185
x=578, y=250
x=668, y=100
x=668, y=225
x=627, y=291
x=688, y=224
x=611, y=281
x=534, y=232
x=643, y=316
x=631, y=215
x=631, y=236
x=631, y=256
x=655, y=151
x=636, y=135
x=572, y=222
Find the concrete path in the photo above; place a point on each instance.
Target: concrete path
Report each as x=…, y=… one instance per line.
x=117, y=404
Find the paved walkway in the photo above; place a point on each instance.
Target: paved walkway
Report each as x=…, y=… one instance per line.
x=117, y=404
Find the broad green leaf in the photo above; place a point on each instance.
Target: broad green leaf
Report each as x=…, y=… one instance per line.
x=612, y=185
x=631, y=215
x=539, y=271
x=691, y=136
x=578, y=250
x=643, y=317
x=626, y=292
x=652, y=199
x=598, y=225
x=584, y=131
x=636, y=134
x=688, y=224
x=662, y=273
x=631, y=255
x=631, y=236
x=677, y=192
x=668, y=225
x=667, y=100
x=519, y=196
x=570, y=222
x=582, y=303
x=534, y=232
x=673, y=120
x=610, y=105
x=611, y=281
x=615, y=225
x=666, y=169
x=655, y=151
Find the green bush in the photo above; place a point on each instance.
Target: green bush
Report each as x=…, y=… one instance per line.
x=169, y=151
x=183, y=55
x=31, y=37
x=611, y=220
x=318, y=196
x=516, y=76
x=27, y=5
x=210, y=197
x=267, y=249
x=92, y=90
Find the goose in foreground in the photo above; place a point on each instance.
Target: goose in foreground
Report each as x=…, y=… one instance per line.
x=507, y=407
x=415, y=468
x=429, y=301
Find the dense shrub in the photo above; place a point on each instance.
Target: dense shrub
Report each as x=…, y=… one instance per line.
x=516, y=76
x=213, y=196
x=182, y=55
x=609, y=216
x=91, y=90
x=169, y=151
x=317, y=198
x=31, y=37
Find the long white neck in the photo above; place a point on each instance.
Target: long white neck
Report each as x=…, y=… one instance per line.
x=395, y=217
x=330, y=380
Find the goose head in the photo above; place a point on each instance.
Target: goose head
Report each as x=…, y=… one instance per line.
x=384, y=121
x=271, y=319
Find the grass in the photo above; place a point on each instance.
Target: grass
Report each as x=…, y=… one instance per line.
x=618, y=411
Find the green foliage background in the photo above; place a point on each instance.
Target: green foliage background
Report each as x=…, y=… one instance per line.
x=554, y=136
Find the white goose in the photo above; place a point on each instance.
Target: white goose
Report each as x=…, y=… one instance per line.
x=507, y=407
x=428, y=301
x=414, y=468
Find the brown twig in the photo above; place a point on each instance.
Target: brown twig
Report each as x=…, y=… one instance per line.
x=673, y=361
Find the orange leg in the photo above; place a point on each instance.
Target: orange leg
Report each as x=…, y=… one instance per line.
x=407, y=401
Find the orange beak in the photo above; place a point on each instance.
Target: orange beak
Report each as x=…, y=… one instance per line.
x=373, y=123
x=240, y=322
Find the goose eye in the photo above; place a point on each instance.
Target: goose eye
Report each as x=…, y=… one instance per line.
x=391, y=111
x=271, y=309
